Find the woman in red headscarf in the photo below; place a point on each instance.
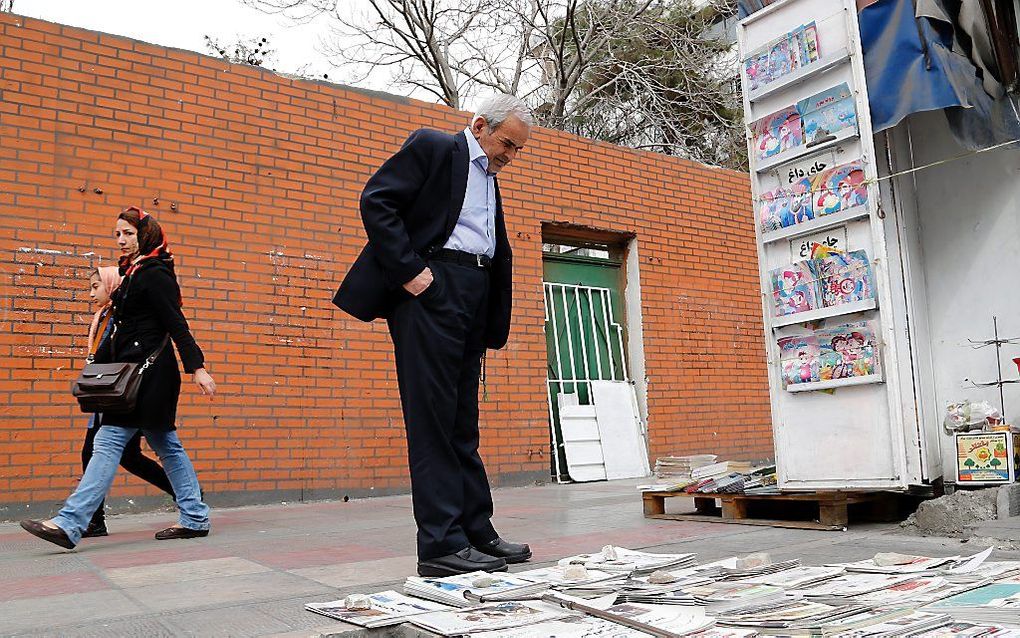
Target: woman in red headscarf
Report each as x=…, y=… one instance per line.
x=146, y=316
x=102, y=284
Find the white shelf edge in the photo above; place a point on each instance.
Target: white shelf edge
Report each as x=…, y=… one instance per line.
x=801, y=151
x=764, y=11
x=835, y=383
x=802, y=74
x=819, y=223
x=825, y=313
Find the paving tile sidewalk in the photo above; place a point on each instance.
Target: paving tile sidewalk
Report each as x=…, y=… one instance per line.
x=253, y=574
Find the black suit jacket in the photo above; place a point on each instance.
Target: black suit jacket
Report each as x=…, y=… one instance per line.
x=410, y=208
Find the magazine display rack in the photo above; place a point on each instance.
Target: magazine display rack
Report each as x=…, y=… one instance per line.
x=830, y=342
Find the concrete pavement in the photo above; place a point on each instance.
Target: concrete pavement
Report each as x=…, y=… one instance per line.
x=253, y=574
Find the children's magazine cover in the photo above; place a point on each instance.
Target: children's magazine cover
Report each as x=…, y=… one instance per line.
x=809, y=44
x=777, y=132
x=840, y=188
x=770, y=210
x=847, y=351
x=800, y=198
x=843, y=278
x=756, y=68
x=799, y=359
x=825, y=114
x=793, y=288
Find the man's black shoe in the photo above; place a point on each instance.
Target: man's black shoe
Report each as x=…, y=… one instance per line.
x=95, y=530
x=466, y=560
x=510, y=552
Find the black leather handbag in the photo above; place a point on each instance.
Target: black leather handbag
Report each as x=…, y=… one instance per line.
x=112, y=387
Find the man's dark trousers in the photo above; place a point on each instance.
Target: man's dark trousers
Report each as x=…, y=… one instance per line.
x=438, y=339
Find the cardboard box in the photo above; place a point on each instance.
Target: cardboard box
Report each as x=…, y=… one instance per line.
x=987, y=458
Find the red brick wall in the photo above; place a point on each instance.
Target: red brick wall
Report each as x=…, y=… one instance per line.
x=257, y=179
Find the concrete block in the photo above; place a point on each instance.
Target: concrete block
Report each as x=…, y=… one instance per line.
x=1007, y=501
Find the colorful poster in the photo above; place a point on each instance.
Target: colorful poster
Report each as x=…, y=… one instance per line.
x=799, y=357
x=843, y=278
x=793, y=288
x=840, y=188
x=847, y=351
x=827, y=113
x=777, y=132
x=983, y=457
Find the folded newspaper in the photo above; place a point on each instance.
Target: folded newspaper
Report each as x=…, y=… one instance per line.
x=386, y=608
x=997, y=602
x=488, y=617
x=467, y=590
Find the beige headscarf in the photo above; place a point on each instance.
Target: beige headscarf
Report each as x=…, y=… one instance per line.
x=110, y=278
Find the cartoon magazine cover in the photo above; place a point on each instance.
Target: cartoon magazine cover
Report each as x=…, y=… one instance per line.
x=809, y=44
x=757, y=69
x=799, y=358
x=778, y=132
x=840, y=188
x=847, y=351
x=771, y=210
x=827, y=113
x=843, y=278
x=793, y=288
x=800, y=200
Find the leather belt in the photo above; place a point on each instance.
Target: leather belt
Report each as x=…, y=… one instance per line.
x=462, y=258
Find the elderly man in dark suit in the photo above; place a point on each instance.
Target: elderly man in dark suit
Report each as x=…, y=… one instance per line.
x=437, y=267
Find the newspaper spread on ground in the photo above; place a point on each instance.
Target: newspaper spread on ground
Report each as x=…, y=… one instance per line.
x=967, y=630
x=728, y=598
x=467, y=590
x=854, y=585
x=622, y=560
x=488, y=617
x=899, y=623
x=997, y=602
x=387, y=608
x=908, y=565
x=797, y=577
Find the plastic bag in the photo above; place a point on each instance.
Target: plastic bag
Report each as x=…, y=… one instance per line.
x=968, y=415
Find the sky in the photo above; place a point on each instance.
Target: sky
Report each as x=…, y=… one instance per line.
x=184, y=23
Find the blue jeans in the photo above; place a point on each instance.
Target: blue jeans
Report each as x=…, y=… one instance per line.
x=95, y=483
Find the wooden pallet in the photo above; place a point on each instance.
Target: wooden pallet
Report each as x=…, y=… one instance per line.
x=803, y=510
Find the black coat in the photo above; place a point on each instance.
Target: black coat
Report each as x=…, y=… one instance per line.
x=146, y=309
x=410, y=208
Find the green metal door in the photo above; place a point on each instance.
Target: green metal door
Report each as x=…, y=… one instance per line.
x=585, y=334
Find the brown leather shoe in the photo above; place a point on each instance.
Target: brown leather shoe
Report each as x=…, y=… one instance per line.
x=56, y=536
x=173, y=533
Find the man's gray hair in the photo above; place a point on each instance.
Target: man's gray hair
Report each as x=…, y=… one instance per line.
x=498, y=108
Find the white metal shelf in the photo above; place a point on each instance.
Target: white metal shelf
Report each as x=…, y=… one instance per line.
x=800, y=76
x=817, y=224
x=835, y=383
x=804, y=150
x=824, y=313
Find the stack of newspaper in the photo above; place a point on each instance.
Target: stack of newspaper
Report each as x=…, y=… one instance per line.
x=997, y=602
x=386, y=608
x=890, y=624
x=721, y=469
x=796, y=577
x=787, y=614
x=488, y=617
x=466, y=590
x=668, y=467
x=627, y=561
x=736, y=570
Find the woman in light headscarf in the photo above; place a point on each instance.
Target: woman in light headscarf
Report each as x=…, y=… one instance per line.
x=146, y=316
x=104, y=281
